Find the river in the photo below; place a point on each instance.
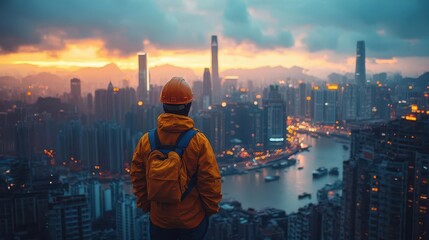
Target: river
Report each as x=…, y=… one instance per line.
x=253, y=192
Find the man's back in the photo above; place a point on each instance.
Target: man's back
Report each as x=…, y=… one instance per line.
x=192, y=210
x=189, y=218
x=203, y=200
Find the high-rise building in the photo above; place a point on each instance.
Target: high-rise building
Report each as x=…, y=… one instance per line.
x=319, y=104
x=304, y=224
x=230, y=85
x=75, y=91
x=198, y=97
x=330, y=218
x=144, y=82
x=207, y=89
x=274, y=120
x=421, y=204
x=91, y=189
x=217, y=90
x=113, y=103
x=331, y=96
x=69, y=142
x=386, y=181
x=363, y=103
x=23, y=214
x=302, y=94
x=325, y=104
x=360, y=74
x=126, y=218
x=349, y=104
x=155, y=91
x=212, y=124
x=110, y=137
x=69, y=218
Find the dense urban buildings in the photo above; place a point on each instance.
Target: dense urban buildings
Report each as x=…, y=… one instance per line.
x=386, y=185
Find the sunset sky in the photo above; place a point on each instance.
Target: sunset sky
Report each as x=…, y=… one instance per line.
x=319, y=35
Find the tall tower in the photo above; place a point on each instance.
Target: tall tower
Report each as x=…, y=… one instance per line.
x=215, y=71
x=360, y=75
x=143, y=88
x=363, y=107
x=75, y=91
x=207, y=88
x=274, y=119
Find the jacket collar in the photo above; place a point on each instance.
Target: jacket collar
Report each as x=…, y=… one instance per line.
x=174, y=123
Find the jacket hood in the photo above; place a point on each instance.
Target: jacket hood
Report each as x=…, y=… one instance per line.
x=174, y=123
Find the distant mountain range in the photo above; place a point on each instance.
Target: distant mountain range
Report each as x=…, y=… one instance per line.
x=99, y=77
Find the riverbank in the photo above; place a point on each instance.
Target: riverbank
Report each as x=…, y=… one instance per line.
x=252, y=165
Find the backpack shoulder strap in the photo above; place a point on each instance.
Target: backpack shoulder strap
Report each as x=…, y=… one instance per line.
x=153, y=139
x=183, y=141
x=181, y=144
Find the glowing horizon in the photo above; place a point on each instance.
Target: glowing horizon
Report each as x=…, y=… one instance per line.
x=90, y=54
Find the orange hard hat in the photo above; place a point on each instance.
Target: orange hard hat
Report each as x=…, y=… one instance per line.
x=176, y=91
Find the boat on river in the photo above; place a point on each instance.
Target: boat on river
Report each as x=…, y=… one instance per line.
x=304, y=195
x=271, y=178
x=334, y=171
x=320, y=172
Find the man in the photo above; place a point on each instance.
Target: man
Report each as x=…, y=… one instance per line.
x=187, y=219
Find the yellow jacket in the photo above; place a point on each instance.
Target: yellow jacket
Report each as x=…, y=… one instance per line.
x=203, y=199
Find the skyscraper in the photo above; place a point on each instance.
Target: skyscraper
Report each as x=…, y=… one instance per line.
x=363, y=107
x=75, y=91
x=274, y=126
x=302, y=100
x=207, y=89
x=126, y=216
x=215, y=71
x=304, y=224
x=360, y=74
x=319, y=102
x=144, y=83
x=331, y=95
x=69, y=218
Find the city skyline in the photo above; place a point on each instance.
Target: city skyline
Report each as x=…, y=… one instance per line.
x=251, y=34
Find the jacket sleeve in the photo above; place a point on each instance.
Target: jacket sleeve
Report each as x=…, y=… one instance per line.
x=209, y=179
x=138, y=174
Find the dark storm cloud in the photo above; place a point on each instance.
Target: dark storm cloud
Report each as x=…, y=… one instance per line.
x=122, y=25
x=390, y=28
x=238, y=25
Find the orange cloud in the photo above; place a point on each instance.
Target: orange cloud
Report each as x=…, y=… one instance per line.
x=91, y=53
x=386, y=61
